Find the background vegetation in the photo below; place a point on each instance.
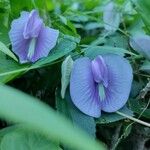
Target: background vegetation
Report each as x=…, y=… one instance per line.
x=41, y=119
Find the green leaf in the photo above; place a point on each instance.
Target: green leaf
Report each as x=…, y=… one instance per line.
x=11, y=68
x=48, y=5
x=146, y=66
x=43, y=119
x=5, y=50
x=138, y=106
x=66, y=69
x=62, y=48
x=4, y=35
x=8, y=65
x=117, y=40
x=65, y=27
x=137, y=86
x=65, y=21
x=106, y=118
x=100, y=40
x=93, y=51
x=66, y=107
x=25, y=140
x=18, y=6
x=93, y=25
x=143, y=7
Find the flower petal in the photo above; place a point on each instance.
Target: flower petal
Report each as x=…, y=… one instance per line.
x=100, y=71
x=119, y=84
x=141, y=43
x=83, y=89
x=19, y=44
x=33, y=25
x=45, y=42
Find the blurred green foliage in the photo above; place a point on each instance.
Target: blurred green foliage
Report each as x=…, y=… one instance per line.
x=82, y=33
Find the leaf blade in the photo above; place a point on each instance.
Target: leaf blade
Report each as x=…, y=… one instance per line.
x=42, y=118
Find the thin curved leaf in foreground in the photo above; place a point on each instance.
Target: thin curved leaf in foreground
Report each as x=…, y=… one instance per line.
x=19, y=107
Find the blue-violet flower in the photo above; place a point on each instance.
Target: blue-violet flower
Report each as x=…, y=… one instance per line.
x=101, y=84
x=30, y=38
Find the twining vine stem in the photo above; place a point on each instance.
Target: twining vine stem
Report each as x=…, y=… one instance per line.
x=133, y=119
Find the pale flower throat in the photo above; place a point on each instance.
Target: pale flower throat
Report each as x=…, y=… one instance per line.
x=101, y=91
x=31, y=49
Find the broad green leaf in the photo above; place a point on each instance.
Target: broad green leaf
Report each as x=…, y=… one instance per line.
x=78, y=118
x=5, y=50
x=66, y=69
x=93, y=51
x=39, y=117
x=106, y=118
x=25, y=140
x=117, y=40
x=114, y=40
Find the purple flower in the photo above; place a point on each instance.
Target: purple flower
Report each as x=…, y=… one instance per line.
x=30, y=38
x=102, y=84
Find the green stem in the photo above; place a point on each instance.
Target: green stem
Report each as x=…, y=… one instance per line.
x=133, y=119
